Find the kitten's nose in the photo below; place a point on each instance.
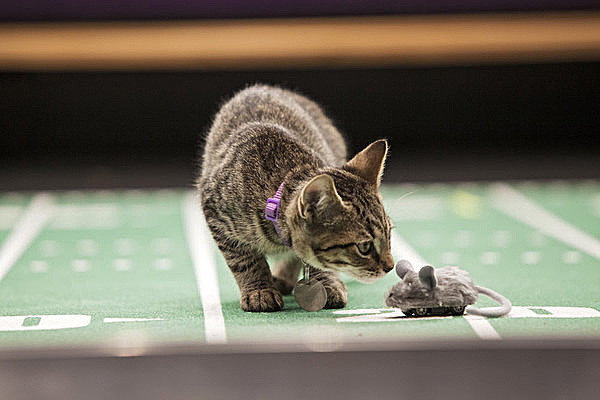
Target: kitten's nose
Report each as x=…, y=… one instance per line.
x=388, y=262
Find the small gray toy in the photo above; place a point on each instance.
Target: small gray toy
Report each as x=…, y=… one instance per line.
x=440, y=291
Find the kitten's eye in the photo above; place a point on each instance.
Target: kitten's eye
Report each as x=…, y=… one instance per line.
x=365, y=247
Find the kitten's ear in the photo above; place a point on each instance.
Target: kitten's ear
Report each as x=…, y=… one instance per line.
x=368, y=164
x=319, y=195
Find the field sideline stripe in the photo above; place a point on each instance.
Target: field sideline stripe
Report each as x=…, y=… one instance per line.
x=37, y=214
x=403, y=250
x=516, y=205
x=201, y=252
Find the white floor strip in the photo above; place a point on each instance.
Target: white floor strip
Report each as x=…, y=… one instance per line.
x=516, y=205
x=32, y=221
x=402, y=250
x=112, y=320
x=201, y=251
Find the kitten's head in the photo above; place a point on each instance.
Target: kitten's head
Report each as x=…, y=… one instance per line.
x=337, y=221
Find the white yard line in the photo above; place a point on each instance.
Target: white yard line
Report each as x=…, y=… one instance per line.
x=37, y=214
x=482, y=327
x=402, y=250
x=516, y=205
x=201, y=251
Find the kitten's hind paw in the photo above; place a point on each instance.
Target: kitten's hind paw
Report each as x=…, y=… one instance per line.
x=337, y=295
x=262, y=300
x=283, y=286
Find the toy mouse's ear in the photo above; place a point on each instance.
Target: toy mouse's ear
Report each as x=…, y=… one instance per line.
x=427, y=277
x=402, y=267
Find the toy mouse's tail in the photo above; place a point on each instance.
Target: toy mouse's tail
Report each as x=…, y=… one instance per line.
x=493, y=312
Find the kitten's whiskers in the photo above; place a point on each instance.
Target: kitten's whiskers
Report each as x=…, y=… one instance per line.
x=396, y=204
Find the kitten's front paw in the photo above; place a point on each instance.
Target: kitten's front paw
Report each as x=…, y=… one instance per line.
x=262, y=300
x=337, y=295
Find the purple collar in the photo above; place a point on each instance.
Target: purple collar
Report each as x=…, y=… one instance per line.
x=272, y=212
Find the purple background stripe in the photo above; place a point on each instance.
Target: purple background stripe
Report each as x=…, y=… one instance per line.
x=29, y=10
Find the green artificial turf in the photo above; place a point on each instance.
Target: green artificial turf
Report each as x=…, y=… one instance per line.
x=125, y=254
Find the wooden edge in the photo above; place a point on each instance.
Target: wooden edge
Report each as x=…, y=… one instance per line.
x=302, y=43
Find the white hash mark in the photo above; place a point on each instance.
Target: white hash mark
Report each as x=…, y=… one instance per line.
x=124, y=246
x=49, y=248
x=80, y=265
x=464, y=238
x=163, y=264
x=449, y=257
x=489, y=258
x=122, y=264
x=87, y=247
x=530, y=257
x=571, y=257
x=39, y=266
x=501, y=238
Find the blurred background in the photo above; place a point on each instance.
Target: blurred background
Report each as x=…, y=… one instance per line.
x=119, y=93
x=99, y=94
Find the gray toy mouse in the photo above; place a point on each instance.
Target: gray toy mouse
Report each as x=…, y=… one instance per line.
x=440, y=291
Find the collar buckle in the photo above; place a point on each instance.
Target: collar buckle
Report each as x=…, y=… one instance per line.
x=272, y=212
x=272, y=209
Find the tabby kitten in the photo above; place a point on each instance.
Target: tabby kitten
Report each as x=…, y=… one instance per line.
x=331, y=213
